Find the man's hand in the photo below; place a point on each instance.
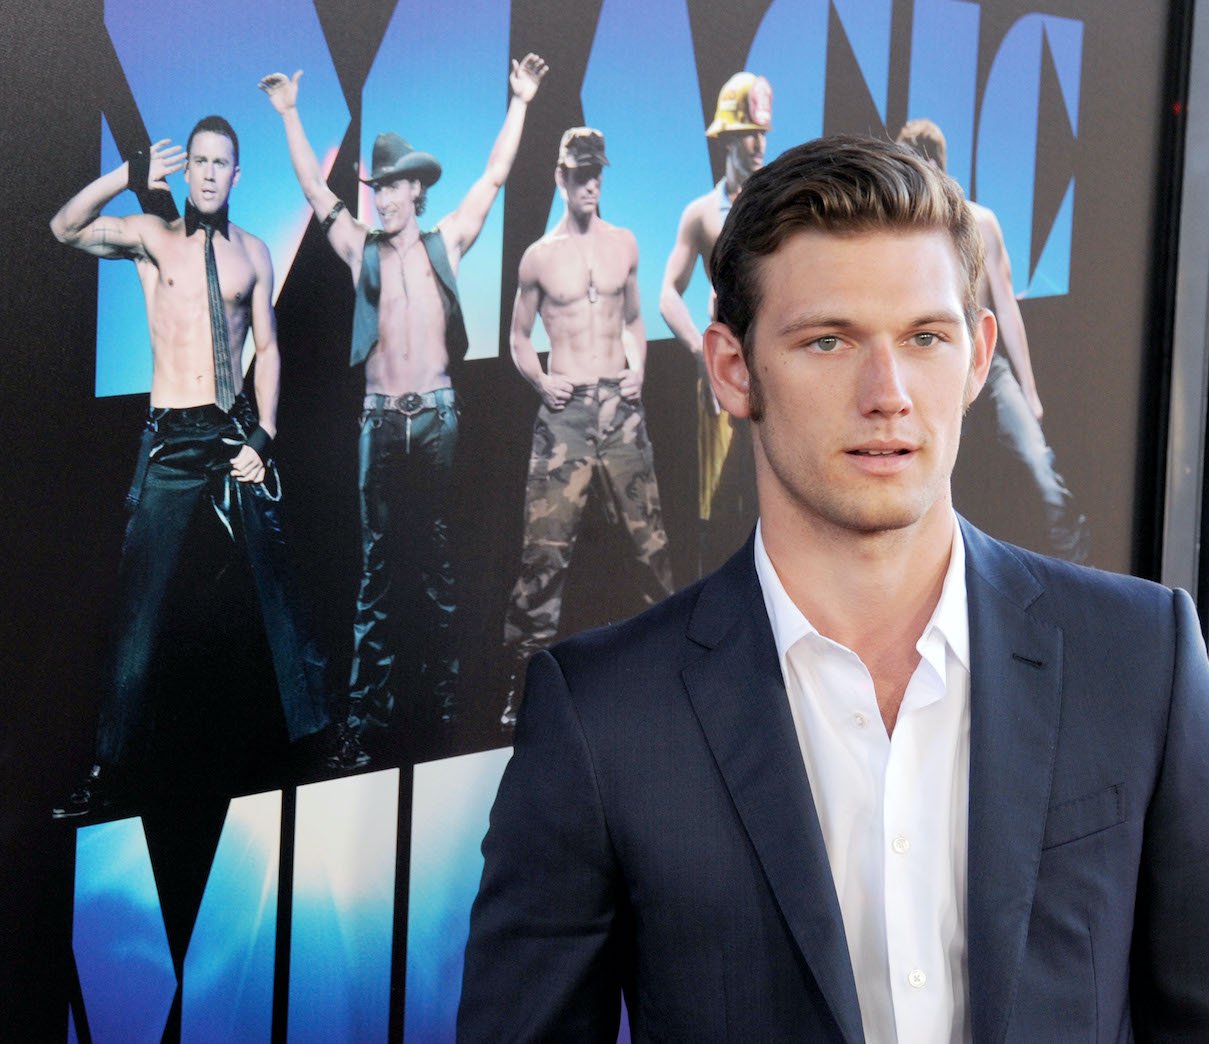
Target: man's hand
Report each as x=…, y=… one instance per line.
x=163, y=158
x=247, y=466
x=631, y=384
x=555, y=391
x=283, y=90
x=1034, y=403
x=526, y=76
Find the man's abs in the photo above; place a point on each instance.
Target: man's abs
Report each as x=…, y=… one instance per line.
x=411, y=354
x=582, y=350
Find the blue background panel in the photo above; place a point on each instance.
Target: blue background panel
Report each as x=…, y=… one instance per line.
x=121, y=947
x=450, y=805
x=228, y=978
x=345, y=843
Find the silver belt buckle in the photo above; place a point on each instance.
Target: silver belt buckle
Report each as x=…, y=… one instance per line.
x=411, y=403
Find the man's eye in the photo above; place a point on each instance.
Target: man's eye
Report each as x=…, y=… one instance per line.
x=827, y=344
x=924, y=340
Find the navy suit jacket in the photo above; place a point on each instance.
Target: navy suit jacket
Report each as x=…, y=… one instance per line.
x=655, y=832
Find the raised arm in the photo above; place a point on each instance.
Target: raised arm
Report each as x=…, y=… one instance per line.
x=633, y=335
x=677, y=274
x=554, y=389
x=79, y=222
x=462, y=227
x=345, y=233
x=1007, y=310
x=248, y=465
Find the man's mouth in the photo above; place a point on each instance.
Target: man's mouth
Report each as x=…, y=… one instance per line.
x=879, y=452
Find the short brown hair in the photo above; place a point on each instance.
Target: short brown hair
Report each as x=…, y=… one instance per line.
x=214, y=125
x=842, y=185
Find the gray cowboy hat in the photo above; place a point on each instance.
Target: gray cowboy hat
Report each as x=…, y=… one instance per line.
x=394, y=158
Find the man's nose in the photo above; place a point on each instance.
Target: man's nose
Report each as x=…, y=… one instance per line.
x=883, y=387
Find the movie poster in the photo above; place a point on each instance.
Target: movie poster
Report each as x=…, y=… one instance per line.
x=295, y=653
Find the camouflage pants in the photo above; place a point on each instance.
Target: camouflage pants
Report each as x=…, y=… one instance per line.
x=598, y=437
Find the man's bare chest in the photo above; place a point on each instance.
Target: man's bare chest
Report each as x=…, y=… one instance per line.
x=180, y=275
x=572, y=272
x=408, y=280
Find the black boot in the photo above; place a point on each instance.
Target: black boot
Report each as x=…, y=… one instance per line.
x=512, y=702
x=346, y=754
x=99, y=792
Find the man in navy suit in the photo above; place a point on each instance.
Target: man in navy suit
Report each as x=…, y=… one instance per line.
x=880, y=777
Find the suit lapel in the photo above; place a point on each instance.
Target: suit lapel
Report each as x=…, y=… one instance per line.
x=739, y=697
x=1016, y=670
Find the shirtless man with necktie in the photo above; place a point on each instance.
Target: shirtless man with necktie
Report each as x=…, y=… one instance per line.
x=196, y=458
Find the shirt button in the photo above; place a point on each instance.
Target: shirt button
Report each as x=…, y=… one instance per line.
x=917, y=978
x=860, y=720
x=900, y=845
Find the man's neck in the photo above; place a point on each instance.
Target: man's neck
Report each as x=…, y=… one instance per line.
x=578, y=224
x=405, y=237
x=734, y=180
x=736, y=176
x=195, y=219
x=871, y=592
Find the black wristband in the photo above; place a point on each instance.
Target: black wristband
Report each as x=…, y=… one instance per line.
x=326, y=223
x=260, y=440
x=138, y=170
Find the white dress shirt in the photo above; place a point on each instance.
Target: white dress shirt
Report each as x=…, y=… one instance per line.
x=893, y=809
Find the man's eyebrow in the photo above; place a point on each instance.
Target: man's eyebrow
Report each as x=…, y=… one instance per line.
x=823, y=320
x=813, y=320
x=939, y=319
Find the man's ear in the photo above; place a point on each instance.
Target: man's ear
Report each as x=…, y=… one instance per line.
x=235, y=178
x=986, y=331
x=727, y=369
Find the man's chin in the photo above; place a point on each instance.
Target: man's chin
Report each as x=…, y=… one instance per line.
x=210, y=205
x=874, y=516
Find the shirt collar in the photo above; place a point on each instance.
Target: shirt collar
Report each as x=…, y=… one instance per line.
x=195, y=219
x=949, y=623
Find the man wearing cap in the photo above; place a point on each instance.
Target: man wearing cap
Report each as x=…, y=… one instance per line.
x=407, y=330
x=204, y=461
x=1011, y=385
x=741, y=121
x=582, y=278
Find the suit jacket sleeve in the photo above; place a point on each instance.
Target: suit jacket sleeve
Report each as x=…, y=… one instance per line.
x=1170, y=989
x=541, y=961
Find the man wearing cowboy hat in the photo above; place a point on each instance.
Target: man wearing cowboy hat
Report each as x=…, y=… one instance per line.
x=590, y=430
x=726, y=482
x=407, y=330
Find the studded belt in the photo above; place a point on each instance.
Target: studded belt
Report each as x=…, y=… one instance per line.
x=411, y=403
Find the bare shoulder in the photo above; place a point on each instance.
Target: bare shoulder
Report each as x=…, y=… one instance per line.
x=621, y=239
x=538, y=257
x=695, y=212
x=154, y=232
x=988, y=224
x=254, y=247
